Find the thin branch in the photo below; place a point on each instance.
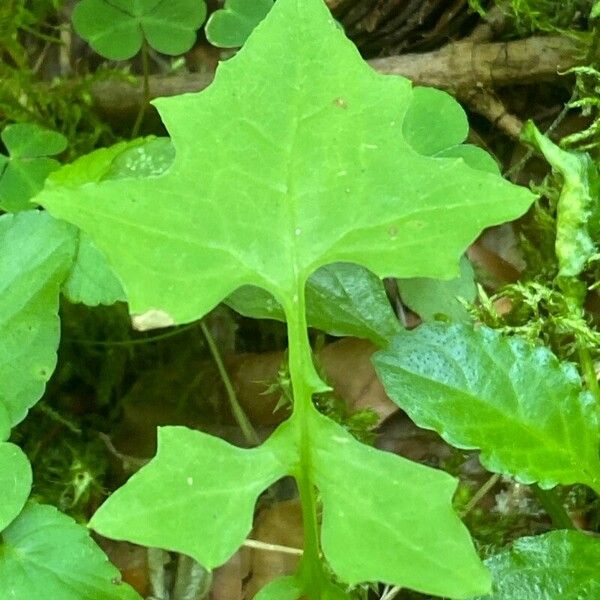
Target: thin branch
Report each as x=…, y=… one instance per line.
x=457, y=66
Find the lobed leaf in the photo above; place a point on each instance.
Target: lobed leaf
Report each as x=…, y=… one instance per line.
x=559, y=564
x=116, y=29
x=196, y=496
x=15, y=482
x=45, y=554
x=36, y=252
x=517, y=403
x=377, y=525
x=372, y=200
x=289, y=161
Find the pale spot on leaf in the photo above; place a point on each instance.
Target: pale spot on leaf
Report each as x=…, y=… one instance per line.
x=152, y=319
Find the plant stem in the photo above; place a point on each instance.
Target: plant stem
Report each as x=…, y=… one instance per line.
x=146, y=93
x=480, y=494
x=239, y=415
x=589, y=372
x=305, y=382
x=554, y=507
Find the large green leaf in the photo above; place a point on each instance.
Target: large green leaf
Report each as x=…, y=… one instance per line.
x=578, y=206
x=230, y=26
x=404, y=537
x=45, y=554
x=23, y=172
x=341, y=299
x=15, y=482
x=378, y=201
x=293, y=159
x=116, y=29
x=560, y=565
x=202, y=492
x=36, y=252
x=524, y=409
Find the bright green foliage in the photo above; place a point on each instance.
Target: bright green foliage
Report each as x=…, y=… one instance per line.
x=45, y=554
x=284, y=588
x=577, y=211
x=335, y=181
x=15, y=483
x=341, y=299
x=435, y=125
x=5, y=424
x=36, y=252
x=558, y=565
x=524, y=409
x=344, y=115
x=91, y=280
x=116, y=29
x=197, y=496
x=436, y=298
x=145, y=158
x=24, y=170
x=402, y=536
x=230, y=26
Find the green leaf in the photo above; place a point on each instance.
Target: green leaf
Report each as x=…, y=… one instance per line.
x=435, y=298
x=23, y=172
x=559, y=564
x=5, y=424
x=283, y=588
x=434, y=121
x=341, y=299
x=289, y=161
x=577, y=203
x=36, y=252
x=196, y=496
x=151, y=157
x=230, y=26
x=474, y=156
x=344, y=115
x=116, y=29
x=525, y=410
x=426, y=535
x=15, y=482
x=45, y=554
x=91, y=280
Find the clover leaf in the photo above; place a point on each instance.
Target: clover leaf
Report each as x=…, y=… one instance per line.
x=24, y=170
x=116, y=29
x=230, y=26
